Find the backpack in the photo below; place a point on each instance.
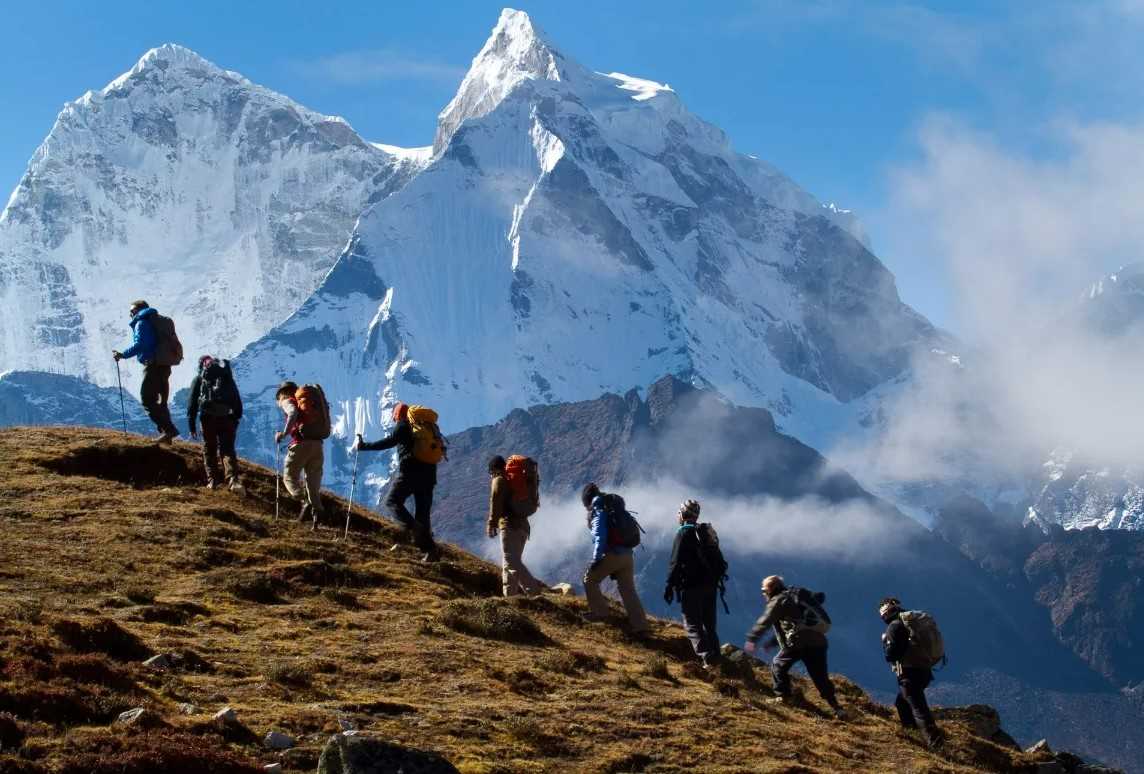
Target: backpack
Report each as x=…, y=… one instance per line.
x=311, y=400
x=623, y=529
x=711, y=557
x=523, y=476
x=218, y=394
x=428, y=443
x=927, y=647
x=813, y=615
x=168, y=349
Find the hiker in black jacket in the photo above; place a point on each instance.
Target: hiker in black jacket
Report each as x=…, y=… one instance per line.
x=913, y=671
x=414, y=479
x=800, y=637
x=692, y=578
x=216, y=402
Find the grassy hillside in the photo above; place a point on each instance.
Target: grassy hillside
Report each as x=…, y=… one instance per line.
x=113, y=552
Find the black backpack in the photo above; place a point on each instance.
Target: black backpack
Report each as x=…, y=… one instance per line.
x=712, y=559
x=218, y=393
x=623, y=529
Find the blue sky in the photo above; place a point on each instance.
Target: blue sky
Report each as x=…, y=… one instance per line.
x=860, y=101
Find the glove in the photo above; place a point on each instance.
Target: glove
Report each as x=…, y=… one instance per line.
x=669, y=594
x=749, y=648
x=491, y=531
x=117, y=354
x=194, y=434
x=278, y=437
x=358, y=440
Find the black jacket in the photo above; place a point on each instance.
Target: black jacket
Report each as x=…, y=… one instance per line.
x=783, y=612
x=686, y=570
x=895, y=641
x=214, y=371
x=408, y=467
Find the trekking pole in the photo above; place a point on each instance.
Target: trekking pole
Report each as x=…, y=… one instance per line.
x=277, y=478
x=122, y=410
x=353, y=484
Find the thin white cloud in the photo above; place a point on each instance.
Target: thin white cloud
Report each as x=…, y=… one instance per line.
x=373, y=66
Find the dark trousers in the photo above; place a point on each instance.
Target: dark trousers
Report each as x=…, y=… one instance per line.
x=153, y=394
x=418, y=523
x=911, y=701
x=814, y=659
x=699, y=616
x=218, y=441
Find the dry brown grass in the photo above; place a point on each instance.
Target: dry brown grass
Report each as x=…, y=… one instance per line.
x=112, y=551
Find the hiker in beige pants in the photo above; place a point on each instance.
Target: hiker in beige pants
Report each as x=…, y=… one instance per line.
x=609, y=559
x=514, y=533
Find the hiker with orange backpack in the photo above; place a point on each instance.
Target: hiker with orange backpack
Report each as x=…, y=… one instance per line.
x=514, y=495
x=308, y=426
x=157, y=348
x=420, y=447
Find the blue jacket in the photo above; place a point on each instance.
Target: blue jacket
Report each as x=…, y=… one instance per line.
x=599, y=526
x=145, y=340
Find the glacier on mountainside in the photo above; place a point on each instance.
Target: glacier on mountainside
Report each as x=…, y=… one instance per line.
x=221, y=202
x=577, y=233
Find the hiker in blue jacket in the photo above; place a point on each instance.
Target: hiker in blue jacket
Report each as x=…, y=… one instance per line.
x=609, y=559
x=156, y=387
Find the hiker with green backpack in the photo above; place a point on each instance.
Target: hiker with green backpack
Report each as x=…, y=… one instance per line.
x=695, y=575
x=800, y=625
x=216, y=403
x=308, y=426
x=420, y=448
x=912, y=645
x=615, y=532
x=514, y=495
x=158, y=349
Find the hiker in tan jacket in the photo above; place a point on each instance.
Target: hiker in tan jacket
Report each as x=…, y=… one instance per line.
x=514, y=532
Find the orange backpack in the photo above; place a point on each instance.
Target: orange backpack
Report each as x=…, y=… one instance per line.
x=311, y=400
x=523, y=476
x=428, y=443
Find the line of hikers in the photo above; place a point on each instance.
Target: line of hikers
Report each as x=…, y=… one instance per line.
x=697, y=569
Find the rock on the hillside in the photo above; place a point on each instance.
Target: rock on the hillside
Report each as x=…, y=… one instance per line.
x=186, y=708
x=274, y=767
x=132, y=717
x=563, y=588
x=345, y=754
x=1041, y=746
x=226, y=715
x=276, y=740
x=161, y=661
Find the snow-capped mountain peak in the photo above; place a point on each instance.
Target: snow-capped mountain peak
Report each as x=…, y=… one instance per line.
x=219, y=201
x=516, y=51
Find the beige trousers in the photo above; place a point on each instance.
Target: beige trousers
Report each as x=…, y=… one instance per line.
x=622, y=566
x=305, y=457
x=514, y=575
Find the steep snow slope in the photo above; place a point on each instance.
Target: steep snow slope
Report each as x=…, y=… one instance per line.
x=577, y=233
x=222, y=203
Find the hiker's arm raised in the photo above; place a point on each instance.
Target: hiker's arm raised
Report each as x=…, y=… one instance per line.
x=399, y=435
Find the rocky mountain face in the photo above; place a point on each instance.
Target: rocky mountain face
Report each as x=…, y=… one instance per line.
x=221, y=202
x=39, y=398
x=578, y=233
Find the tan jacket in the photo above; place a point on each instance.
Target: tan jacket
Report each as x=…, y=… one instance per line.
x=500, y=514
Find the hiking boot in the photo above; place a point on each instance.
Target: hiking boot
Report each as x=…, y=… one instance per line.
x=785, y=699
x=306, y=512
x=840, y=714
x=933, y=738
x=164, y=439
x=593, y=618
x=237, y=487
x=432, y=555
x=212, y=484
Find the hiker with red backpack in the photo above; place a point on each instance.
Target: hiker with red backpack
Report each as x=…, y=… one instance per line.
x=216, y=402
x=514, y=495
x=157, y=348
x=800, y=625
x=912, y=645
x=695, y=576
x=308, y=426
x=615, y=533
x=420, y=448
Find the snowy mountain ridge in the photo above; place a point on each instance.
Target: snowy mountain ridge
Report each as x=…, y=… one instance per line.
x=578, y=233
x=221, y=202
